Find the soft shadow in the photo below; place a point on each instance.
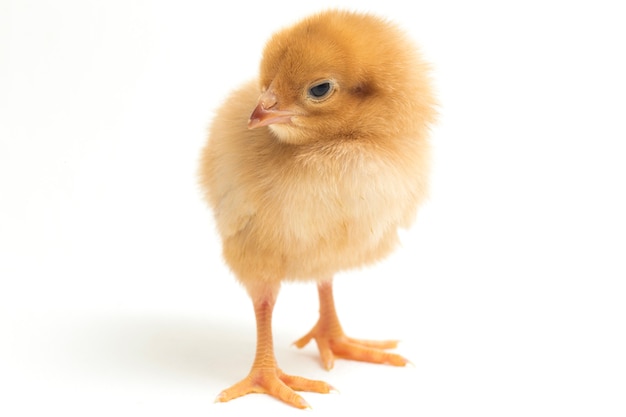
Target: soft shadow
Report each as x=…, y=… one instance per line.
x=161, y=347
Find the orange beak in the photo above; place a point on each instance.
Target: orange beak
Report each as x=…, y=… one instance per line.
x=267, y=113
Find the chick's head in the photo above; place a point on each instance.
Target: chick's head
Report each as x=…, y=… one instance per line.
x=341, y=75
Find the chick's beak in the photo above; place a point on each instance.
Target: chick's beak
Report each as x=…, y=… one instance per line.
x=267, y=112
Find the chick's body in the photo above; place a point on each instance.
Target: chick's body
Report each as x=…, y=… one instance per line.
x=332, y=161
x=306, y=211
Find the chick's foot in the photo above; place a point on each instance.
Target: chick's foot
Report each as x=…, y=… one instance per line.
x=332, y=342
x=333, y=346
x=274, y=382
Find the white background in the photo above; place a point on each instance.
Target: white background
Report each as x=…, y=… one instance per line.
x=508, y=294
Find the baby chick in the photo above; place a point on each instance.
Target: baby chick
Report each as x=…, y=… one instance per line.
x=311, y=169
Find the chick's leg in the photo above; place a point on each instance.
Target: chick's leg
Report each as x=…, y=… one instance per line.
x=332, y=341
x=265, y=376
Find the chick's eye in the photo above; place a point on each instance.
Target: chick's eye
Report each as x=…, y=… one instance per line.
x=320, y=90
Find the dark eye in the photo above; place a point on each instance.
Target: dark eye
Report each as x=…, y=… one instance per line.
x=320, y=90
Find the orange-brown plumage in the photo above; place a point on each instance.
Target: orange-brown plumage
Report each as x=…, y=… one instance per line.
x=313, y=167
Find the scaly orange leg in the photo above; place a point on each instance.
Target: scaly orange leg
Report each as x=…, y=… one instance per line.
x=265, y=376
x=332, y=341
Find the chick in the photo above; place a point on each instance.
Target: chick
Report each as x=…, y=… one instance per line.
x=311, y=169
